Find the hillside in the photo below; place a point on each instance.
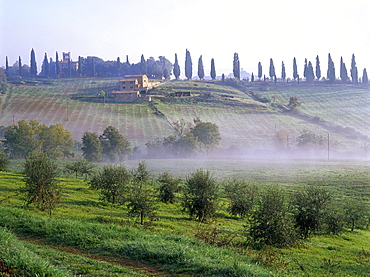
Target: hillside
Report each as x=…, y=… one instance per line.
x=248, y=116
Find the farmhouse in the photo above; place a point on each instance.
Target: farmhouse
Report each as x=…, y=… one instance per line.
x=132, y=88
x=67, y=60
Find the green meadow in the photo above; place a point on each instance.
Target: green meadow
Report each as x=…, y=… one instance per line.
x=89, y=234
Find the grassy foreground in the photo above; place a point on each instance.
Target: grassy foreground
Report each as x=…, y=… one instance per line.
x=84, y=228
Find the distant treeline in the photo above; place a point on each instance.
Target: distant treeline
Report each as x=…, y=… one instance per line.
x=162, y=68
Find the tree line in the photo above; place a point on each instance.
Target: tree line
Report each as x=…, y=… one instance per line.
x=23, y=138
x=92, y=66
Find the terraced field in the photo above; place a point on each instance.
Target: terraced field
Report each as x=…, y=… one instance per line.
x=244, y=121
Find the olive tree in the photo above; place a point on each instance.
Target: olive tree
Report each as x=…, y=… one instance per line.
x=269, y=223
x=242, y=196
x=112, y=182
x=309, y=207
x=200, y=195
x=41, y=189
x=141, y=195
x=168, y=187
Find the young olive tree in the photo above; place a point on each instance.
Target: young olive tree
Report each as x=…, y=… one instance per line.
x=4, y=161
x=200, y=196
x=41, y=189
x=309, y=206
x=242, y=196
x=168, y=187
x=80, y=167
x=270, y=223
x=112, y=181
x=141, y=196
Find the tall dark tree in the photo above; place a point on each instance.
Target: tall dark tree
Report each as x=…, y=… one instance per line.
x=143, y=65
x=272, y=69
x=45, y=66
x=33, y=63
x=118, y=67
x=188, y=65
x=176, y=68
x=283, y=73
x=310, y=76
x=127, y=61
x=6, y=65
x=295, y=70
x=343, y=71
x=80, y=66
x=213, y=69
x=305, y=68
x=236, y=66
x=331, y=70
x=252, y=77
x=259, y=70
x=200, y=68
x=57, y=68
x=354, y=72
x=20, y=66
x=365, y=79
x=318, y=69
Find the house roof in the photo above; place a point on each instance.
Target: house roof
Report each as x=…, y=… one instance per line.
x=125, y=80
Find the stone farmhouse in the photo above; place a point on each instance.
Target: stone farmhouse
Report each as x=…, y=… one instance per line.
x=67, y=59
x=132, y=88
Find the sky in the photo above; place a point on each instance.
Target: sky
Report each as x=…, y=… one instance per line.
x=256, y=30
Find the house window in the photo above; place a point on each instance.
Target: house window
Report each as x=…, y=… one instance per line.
x=131, y=87
x=123, y=87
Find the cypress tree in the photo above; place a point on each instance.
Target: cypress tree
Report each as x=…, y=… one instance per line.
x=283, y=74
x=331, y=70
x=143, y=65
x=295, y=70
x=252, y=78
x=343, y=71
x=118, y=66
x=127, y=62
x=213, y=69
x=6, y=66
x=57, y=68
x=318, y=70
x=188, y=66
x=20, y=66
x=310, y=76
x=354, y=73
x=45, y=66
x=259, y=70
x=200, y=68
x=176, y=68
x=80, y=66
x=236, y=66
x=33, y=63
x=305, y=68
x=272, y=69
x=365, y=79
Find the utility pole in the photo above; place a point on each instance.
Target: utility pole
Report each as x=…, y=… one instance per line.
x=328, y=147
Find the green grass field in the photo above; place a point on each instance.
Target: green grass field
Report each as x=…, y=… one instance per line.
x=82, y=225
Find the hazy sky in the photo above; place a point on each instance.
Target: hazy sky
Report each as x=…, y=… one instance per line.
x=257, y=30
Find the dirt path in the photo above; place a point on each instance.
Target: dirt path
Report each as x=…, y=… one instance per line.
x=121, y=261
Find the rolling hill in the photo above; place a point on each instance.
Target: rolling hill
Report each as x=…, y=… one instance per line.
x=248, y=115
